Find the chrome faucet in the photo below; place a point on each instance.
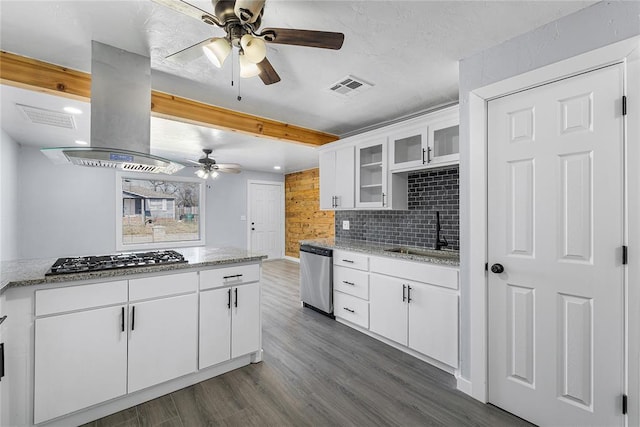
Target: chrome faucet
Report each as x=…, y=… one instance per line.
x=440, y=243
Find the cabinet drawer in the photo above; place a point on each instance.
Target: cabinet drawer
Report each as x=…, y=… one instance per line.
x=51, y=301
x=352, y=309
x=416, y=271
x=350, y=259
x=227, y=276
x=350, y=281
x=162, y=286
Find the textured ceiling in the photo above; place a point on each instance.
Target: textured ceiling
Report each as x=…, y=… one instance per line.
x=407, y=49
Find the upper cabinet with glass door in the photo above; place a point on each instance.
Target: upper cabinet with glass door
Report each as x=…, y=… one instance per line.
x=371, y=174
x=428, y=141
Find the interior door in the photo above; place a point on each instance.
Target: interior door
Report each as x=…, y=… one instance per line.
x=266, y=218
x=556, y=228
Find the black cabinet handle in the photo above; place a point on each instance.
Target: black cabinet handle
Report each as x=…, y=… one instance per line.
x=236, y=303
x=2, y=319
x=1, y=360
x=349, y=310
x=408, y=294
x=428, y=154
x=133, y=317
x=229, y=298
x=423, y=160
x=347, y=260
x=404, y=289
x=348, y=283
x=233, y=276
x=122, y=320
x=383, y=196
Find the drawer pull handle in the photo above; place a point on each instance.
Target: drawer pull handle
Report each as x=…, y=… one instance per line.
x=349, y=310
x=348, y=283
x=347, y=260
x=232, y=276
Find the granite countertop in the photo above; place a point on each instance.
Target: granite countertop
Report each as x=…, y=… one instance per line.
x=441, y=257
x=28, y=272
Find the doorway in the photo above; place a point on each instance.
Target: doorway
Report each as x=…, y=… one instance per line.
x=265, y=206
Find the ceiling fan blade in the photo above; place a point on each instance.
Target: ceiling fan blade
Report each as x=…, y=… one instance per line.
x=188, y=54
x=229, y=170
x=228, y=166
x=267, y=73
x=321, y=39
x=189, y=10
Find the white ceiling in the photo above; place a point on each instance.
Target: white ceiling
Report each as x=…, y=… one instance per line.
x=407, y=49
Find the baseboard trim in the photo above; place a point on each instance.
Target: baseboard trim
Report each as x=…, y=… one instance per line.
x=290, y=258
x=463, y=384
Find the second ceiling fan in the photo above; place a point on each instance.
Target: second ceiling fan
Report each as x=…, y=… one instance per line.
x=241, y=20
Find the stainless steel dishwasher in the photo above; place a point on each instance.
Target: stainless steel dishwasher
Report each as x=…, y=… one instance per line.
x=316, y=278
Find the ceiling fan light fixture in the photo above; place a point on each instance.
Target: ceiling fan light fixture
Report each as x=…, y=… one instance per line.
x=217, y=51
x=200, y=173
x=255, y=49
x=248, y=68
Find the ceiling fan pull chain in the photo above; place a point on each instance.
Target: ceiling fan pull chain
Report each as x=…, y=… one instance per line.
x=239, y=97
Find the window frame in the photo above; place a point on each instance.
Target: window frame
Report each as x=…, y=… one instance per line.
x=120, y=246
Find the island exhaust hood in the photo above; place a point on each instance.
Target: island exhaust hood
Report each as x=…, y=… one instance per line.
x=120, y=116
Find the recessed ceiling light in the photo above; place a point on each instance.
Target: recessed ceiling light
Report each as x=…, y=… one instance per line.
x=277, y=168
x=72, y=110
x=81, y=142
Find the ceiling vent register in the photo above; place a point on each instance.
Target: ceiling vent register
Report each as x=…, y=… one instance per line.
x=40, y=116
x=349, y=86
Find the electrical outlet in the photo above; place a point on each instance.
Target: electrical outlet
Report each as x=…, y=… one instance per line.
x=345, y=225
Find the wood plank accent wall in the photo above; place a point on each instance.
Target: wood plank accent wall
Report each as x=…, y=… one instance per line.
x=53, y=79
x=303, y=217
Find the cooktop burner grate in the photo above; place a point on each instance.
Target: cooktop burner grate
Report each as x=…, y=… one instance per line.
x=109, y=262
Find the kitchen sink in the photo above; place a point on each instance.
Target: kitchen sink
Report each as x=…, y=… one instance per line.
x=425, y=253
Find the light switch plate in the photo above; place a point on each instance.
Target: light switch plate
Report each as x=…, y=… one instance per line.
x=243, y=217
x=345, y=225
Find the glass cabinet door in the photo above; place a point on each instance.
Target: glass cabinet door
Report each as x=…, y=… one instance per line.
x=407, y=148
x=443, y=142
x=371, y=174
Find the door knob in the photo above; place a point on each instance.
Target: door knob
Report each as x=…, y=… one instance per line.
x=497, y=268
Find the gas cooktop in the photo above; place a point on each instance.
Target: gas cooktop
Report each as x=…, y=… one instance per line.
x=109, y=262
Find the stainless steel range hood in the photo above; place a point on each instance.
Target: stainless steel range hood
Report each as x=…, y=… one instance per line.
x=120, y=116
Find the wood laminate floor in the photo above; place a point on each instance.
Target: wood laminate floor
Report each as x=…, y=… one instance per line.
x=316, y=371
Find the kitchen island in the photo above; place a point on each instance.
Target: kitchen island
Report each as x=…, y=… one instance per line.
x=81, y=346
x=404, y=296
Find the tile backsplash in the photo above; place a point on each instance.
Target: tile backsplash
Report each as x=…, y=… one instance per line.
x=428, y=191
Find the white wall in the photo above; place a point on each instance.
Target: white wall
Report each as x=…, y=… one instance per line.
x=68, y=210
x=8, y=197
x=597, y=26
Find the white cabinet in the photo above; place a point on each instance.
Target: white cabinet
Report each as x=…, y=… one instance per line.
x=388, y=308
x=162, y=340
x=371, y=174
x=351, y=287
x=337, y=178
x=229, y=313
x=428, y=141
x=80, y=360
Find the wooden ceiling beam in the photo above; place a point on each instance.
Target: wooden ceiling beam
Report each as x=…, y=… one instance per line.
x=27, y=73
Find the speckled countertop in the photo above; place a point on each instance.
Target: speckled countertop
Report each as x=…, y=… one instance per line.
x=442, y=257
x=30, y=272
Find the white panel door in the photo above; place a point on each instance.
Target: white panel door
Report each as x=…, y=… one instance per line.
x=162, y=340
x=245, y=322
x=215, y=327
x=388, y=307
x=80, y=360
x=266, y=217
x=556, y=313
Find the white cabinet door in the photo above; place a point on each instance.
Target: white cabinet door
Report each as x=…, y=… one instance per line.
x=337, y=178
x=215, y=327
x=388, y=307
x=433, y=322
x=444, y=142
x=327, y=179
x=371, y=174
x=408, y=148
x=162, y=340
x=80, y=360
x=245, y=330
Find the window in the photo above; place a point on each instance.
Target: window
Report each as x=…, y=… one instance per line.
x=157, y=211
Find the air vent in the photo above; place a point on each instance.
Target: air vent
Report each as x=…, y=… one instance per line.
x=349, y=86
x=41, y=116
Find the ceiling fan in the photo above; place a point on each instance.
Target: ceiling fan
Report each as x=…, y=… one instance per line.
x=208, y=168
x=241, y=21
